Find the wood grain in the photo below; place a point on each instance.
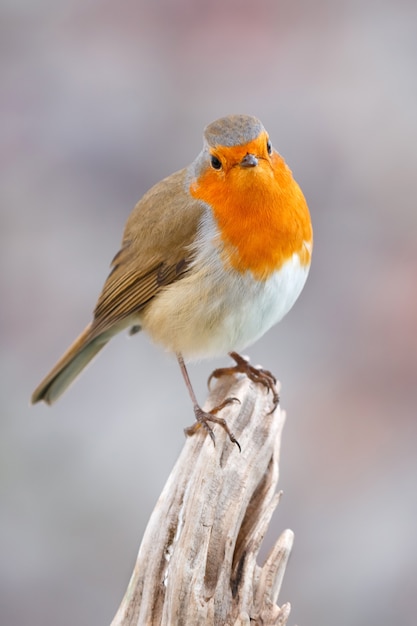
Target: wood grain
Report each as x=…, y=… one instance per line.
x=197, y=564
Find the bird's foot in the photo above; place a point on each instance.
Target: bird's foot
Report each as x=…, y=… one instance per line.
x=204, y=417
x=255, y=374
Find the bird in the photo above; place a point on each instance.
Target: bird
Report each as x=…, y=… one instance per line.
x=211, y=258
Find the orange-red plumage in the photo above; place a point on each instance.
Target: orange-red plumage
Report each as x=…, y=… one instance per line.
x=262, y=215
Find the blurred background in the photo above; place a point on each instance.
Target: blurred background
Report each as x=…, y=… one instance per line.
x=99, y=101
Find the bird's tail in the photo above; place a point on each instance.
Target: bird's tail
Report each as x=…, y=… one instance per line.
x=78, y=355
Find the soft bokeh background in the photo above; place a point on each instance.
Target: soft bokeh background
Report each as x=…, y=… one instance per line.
x=99, y=100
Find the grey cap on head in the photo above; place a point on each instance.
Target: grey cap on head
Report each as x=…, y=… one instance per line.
x=233, y=130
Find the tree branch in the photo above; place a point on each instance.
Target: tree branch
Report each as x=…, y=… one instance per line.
x=197, y=561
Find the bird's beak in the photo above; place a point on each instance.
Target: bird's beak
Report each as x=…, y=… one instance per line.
x=249, y=160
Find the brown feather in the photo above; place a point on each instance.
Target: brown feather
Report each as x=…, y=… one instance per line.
x=156, y=251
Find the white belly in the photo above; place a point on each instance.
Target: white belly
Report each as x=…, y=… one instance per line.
x=211, y=312
x=254, y=307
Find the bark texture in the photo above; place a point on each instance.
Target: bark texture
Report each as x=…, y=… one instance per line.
x=197, y=564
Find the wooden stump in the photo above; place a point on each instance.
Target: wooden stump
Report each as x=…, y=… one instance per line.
x=197, y=561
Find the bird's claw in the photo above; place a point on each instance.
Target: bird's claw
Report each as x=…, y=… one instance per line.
x=204, y=417
x=256, y=374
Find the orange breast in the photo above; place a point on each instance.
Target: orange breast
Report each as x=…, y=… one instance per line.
x=261, y=213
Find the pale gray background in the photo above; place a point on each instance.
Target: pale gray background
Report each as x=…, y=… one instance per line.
x=99, y=100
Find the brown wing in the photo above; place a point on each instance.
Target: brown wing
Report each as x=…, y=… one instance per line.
x=156, y=251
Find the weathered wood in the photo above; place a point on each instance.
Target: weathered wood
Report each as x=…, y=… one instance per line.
x=197, y=561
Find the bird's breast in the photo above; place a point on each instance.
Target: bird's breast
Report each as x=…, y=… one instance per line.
x=261, y=216
x=215, y=309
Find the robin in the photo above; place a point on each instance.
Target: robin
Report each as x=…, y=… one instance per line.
x=212, y=257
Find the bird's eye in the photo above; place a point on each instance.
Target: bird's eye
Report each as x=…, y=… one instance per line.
x=269, y=147
x=215, y=163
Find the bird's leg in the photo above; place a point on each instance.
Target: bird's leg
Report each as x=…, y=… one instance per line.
x=255, y=374
x=203, y=417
